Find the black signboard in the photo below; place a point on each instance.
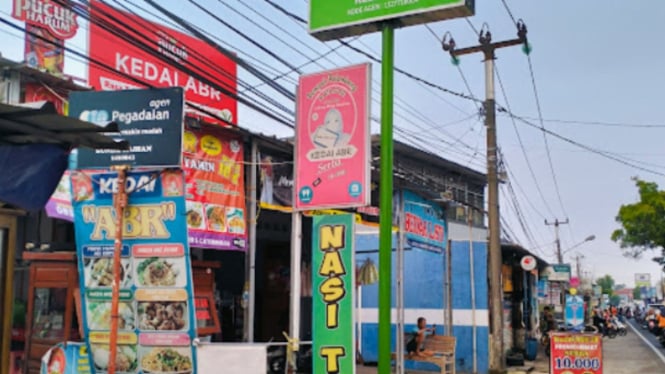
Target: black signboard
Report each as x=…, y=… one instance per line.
x=150, y=120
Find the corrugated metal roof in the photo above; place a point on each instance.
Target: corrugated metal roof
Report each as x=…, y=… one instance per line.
x=40, y=123
x=36, y=75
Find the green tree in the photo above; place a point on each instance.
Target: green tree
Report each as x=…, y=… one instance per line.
x=615, y=300
x=607, y=284
x=643, y=222
x=637, y=294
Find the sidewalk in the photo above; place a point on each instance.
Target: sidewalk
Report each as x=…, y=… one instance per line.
x=622, y=355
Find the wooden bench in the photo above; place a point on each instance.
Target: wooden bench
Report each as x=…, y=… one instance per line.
x=444, y=353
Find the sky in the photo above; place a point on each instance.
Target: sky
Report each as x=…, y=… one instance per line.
x=592, y=61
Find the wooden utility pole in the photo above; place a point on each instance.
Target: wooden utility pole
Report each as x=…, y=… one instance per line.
x=487, y=48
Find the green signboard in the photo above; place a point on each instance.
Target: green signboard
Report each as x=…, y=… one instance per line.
x=333, y=273
x=558, y=273
x=333, y=19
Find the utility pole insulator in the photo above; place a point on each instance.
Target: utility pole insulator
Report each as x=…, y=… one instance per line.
x=556, y=224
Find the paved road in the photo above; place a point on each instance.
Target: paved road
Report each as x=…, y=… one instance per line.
x=633, y=354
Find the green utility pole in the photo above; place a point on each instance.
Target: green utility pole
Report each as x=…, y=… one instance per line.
x=497, y=352
x=386, y=198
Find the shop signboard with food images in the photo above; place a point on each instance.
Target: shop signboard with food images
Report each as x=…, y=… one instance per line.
x=156, y=310
x=332, y=147
x=166, y=60
x=214, y=172
x=333, y=277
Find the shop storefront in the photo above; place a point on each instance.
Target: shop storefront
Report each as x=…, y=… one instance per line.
x=36, y=142
x=520, y=277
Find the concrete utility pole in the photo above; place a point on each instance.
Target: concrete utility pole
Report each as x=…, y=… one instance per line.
x=487, y=48
x=578, y=265
x=556, y=223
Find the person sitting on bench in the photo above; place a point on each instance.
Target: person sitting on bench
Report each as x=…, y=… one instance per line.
x=416, y=345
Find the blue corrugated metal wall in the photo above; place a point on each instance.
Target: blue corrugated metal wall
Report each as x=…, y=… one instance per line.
x=424, y=296
x=461, y=286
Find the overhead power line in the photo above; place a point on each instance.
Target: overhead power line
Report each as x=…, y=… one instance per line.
x=510, y=13
x=149, y=45
x=513, y=196
x=141, y=83
x=400, y=104
x=599, y=123
x=540, y=119
x=194, y=31
x=545, y=139
x=374, y=58
x=519, y=139
x=632, y=163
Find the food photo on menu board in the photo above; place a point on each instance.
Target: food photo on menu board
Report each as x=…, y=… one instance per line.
x=126, y=360
x=99, y=315
x=156, y=314
x=162, y=316
x=98, y=272
x=160, y=272
x=166, y=360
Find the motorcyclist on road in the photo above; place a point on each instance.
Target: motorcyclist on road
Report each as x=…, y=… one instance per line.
x=660, y=319
x=650, y=319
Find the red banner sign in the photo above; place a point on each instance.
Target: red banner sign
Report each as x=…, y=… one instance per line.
x=215, y=190
x=35, y=92
x=574, y=353
x=183, y=52
x=60, y=21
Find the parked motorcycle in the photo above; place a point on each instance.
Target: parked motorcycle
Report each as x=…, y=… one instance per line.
x=277, y=359
x=621, y=328
x=611, y=331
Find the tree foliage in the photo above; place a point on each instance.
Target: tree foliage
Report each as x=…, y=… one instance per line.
x=637, y=294
x=607, y=284
x=643, y=222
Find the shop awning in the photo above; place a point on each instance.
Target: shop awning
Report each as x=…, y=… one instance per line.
x=39, y=123
x=34, y=145
x=515, y=252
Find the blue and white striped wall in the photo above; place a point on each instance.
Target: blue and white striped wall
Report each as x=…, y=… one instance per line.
x=424, y=274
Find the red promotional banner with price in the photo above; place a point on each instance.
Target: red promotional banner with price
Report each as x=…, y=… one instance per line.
x=575, y=353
